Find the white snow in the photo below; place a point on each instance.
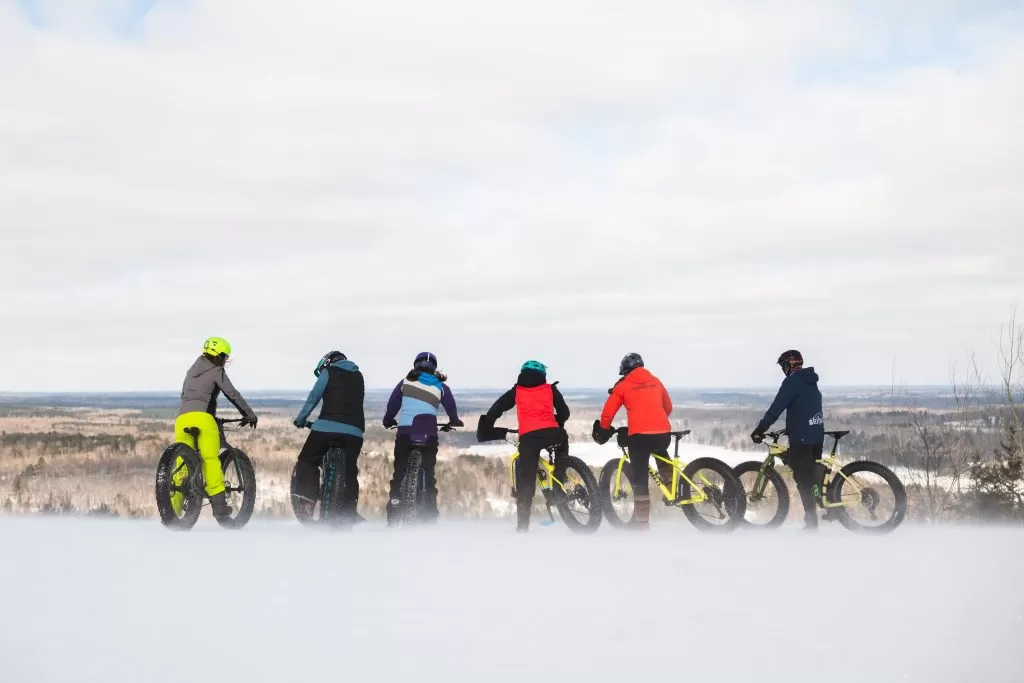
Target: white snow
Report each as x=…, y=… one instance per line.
x=126, y=601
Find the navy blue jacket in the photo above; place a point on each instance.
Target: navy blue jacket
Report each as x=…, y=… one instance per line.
x=800, y=398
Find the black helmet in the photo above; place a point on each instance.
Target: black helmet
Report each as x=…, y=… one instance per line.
x=789, y=360
x=329, y=358
x=425, y=361
x=631, y=361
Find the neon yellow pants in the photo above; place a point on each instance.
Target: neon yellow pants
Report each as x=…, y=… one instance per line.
x=209, y=451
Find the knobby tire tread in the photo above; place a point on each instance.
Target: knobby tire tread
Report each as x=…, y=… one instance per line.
x=606, y=484
x=593, y=495
x=192, y=505
x=732, y=492
x=410, y=489
x=238, y=460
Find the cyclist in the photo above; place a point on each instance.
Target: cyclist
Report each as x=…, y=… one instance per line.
x=204, y=382
x=542, y=414
x=413, y=407
x=805, y=426
x=648, y=407
x=341, y=389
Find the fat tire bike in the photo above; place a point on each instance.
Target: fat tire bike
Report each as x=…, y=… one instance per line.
x=848, y=490
x=710, y=503
x=180, y=472
x=580, y=509
x=331, y=494
x=413, y=487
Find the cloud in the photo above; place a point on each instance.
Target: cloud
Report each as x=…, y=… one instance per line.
x=565, y=180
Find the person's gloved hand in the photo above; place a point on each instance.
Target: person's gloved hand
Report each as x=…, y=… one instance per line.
x=456, y=423
x=249, y=420
x=757, y=436
x=300, y=424
x=600, y=434
x=388, y=424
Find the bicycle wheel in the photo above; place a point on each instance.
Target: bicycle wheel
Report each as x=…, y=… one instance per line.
x=179, y=487
x=410, y=489
x=767, y=504
x=332, y=499
x=725, y=504
x=582, y=511
x=875, y=499
x=618, y=504
x=239, y=488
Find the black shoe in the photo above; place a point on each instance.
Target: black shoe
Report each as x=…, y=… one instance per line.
x=220, y=506
x=831, y=515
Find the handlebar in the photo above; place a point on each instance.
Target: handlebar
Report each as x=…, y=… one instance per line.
x=775, y=436
x=221, y=421
x=446, y=427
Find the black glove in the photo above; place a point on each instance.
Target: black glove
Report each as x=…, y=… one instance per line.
x=249, y=420
x=600, y=434
x=757, y=436
x=388, y=424
x=301, y=424
x=456, y=423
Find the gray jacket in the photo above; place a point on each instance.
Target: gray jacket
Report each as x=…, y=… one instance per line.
x=203, y=385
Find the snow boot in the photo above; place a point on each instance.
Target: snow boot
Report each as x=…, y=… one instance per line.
x=523, y=516
x=642, y=513
x=220, y=506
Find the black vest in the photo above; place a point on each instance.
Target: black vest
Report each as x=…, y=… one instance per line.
x=343, y=398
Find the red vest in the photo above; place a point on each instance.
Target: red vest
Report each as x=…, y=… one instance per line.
x=535, y=408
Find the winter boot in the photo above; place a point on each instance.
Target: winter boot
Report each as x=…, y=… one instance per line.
x=220, y=506
x=523, y=516
x=642, y=513
x=391, y=510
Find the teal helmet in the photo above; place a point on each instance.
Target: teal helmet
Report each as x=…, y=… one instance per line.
x=534, y=365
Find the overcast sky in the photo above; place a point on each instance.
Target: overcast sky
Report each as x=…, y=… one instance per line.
x=704, y=183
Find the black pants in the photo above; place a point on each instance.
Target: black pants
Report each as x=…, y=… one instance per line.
x=428, y=453
x=530, y=446
x=802, y=459
x=641, y=446
x=307, y=469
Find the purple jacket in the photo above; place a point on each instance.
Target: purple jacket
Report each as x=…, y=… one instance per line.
x=414, y=404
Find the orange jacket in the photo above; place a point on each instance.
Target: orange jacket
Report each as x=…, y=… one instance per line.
x=647, y=403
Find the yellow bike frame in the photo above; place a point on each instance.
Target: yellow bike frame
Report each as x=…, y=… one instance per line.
x=832, y=466
x=671, y=493
x=545, y=473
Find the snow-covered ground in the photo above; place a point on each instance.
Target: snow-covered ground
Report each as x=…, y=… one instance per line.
x=125, y=601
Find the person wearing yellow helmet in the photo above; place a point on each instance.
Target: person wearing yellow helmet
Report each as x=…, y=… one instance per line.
x=204, y=382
